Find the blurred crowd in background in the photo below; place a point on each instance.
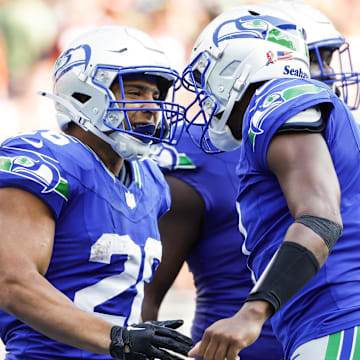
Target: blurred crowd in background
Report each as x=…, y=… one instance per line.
x=33, y=33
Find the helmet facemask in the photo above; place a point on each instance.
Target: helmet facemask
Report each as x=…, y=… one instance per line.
x=168, y=114
x=336, y=71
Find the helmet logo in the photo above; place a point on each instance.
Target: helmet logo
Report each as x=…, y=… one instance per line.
x=263, y=27
x=245, y=27
x=79, y=56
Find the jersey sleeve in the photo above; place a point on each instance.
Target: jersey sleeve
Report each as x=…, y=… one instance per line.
x=36, y=170
x=181, y=169
x=166, y=200
x=274, y=107
x=207, y=170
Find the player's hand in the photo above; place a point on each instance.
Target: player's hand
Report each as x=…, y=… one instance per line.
x=227, y=337
x=149, y=340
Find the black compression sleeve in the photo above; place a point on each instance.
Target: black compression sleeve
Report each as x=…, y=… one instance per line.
x=291, y=268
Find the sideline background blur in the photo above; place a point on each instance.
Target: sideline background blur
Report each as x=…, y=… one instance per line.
x=33, y=33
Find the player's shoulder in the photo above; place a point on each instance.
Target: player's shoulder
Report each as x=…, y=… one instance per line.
x=279, y=100
x=49, y=145
x=283, y=92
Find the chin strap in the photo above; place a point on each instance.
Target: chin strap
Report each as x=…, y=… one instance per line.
x=125, y=145
x=224, y=140
x=75, y=114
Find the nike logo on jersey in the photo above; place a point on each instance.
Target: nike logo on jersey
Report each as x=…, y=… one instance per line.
x=35, y=143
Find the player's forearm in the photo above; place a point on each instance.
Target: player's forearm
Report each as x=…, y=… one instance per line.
x=34, y=301
x=151, y=304
x=306, y=237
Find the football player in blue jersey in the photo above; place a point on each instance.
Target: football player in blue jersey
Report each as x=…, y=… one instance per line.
x=298, y=190
x=202, y=227
x=79, y=209
x=203, y=188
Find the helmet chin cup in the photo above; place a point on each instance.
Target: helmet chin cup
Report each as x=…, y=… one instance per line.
x=224, y=139
x=128, y=147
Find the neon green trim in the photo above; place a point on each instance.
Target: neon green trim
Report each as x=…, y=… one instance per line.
x=5, y=163
x=62, y=188
x=184, y=162
x=356, y=354
x=279, y=37
x=333, y=347
x=300, y=90
x=137, y=174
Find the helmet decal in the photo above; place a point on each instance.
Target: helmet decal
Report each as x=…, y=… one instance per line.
x=72, y=57
x=259, y=28
x=245, y=27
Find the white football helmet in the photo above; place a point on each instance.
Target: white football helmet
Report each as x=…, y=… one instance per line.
x=243, y=45
x=83, y=76
x=321, y=34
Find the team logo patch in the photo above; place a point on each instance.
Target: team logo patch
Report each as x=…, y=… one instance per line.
x=75, y=57
x=167, y=157
x=38, y=169
x=262, y=111
x=272, y=102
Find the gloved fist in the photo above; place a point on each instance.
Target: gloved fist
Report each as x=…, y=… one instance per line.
x=149, y=340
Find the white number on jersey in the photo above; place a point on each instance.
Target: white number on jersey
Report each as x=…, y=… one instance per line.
x=102, y=250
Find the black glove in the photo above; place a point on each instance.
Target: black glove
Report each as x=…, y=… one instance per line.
x=148, y=340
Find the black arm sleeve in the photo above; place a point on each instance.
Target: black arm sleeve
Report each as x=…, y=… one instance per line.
x=291, y=268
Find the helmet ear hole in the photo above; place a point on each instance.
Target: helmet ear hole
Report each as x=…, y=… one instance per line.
x=83, y=98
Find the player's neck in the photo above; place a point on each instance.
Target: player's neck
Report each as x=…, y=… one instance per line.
x=103, y=150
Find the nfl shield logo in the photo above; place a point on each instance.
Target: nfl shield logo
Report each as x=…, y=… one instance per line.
x=130, y=200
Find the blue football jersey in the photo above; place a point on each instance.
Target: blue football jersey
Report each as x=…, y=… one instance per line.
x=331, y=300
x=221, y=276
x=106, y=237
